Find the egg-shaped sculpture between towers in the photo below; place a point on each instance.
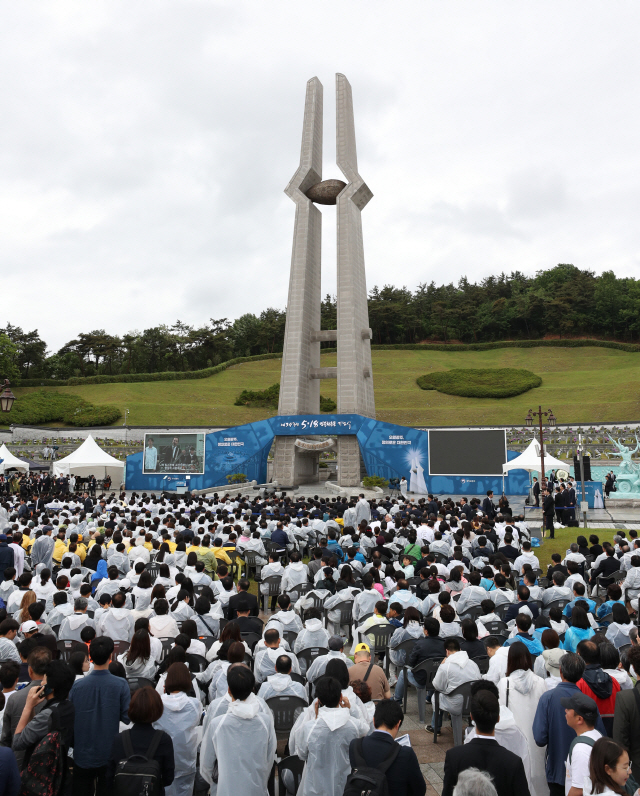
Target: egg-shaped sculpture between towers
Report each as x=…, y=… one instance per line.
x=326, y=192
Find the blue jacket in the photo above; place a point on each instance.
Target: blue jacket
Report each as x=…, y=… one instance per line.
x=280, y=538
x=101, y=701
x=570, y=606
x=335, y=549
x=550, y=729
x=607, y=607
x=574, y=636
x=531, y=643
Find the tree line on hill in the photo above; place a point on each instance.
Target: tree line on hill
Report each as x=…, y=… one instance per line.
x=561, y=301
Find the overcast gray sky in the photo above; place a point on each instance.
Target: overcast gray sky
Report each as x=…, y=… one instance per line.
x=145, y=146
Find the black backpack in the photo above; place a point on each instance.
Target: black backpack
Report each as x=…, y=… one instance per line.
x=139, y=775
x=366, y=780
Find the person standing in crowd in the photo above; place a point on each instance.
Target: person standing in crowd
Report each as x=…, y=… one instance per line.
x=239, y=746
x=582, y=714
x=626, y=719
x=101, y=702
x=550, y=726
x=548, y=511
x=485, y=753
x=404, y=777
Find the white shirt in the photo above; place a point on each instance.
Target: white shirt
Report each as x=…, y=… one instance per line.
x=578, y=768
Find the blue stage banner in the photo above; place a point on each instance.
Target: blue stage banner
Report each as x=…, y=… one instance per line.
x=591, y=489
x=388, y=450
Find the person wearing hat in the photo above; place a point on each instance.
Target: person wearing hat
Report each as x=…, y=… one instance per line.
x=366, y=670
x=582, y=714
x=552, y=658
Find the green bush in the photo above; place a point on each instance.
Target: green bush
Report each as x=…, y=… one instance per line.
x=327, y=404
x=371, y=481
x=487, y=383
x=268, y=399
x=264, y=399
x=236, y=478
x=42, y=407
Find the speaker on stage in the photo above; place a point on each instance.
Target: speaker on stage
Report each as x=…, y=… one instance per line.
x=587, y=468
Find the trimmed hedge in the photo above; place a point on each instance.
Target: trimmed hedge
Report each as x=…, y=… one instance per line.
x=268, y=399
x=180, y=375
x=45, y=407
x=486, y=383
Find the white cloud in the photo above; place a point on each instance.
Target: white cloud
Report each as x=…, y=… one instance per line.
x=145, y=148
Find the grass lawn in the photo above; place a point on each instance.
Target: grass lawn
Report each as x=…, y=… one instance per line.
x=564, y=537
x=586, y=385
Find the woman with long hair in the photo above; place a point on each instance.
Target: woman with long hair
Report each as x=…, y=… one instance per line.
x=230, y=632
x=579, y=631
x=180, y=720
x=520, y=692
x=23, y=614
x=137, y=660
x=42, y=585
x=609, y=769
x=457, y=581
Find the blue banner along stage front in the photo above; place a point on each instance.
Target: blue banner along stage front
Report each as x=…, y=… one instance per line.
x=388, y=450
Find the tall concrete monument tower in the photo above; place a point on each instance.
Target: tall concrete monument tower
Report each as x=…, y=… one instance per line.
x=301, y=371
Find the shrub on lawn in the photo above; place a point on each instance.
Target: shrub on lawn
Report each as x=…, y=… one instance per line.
x=486, y=383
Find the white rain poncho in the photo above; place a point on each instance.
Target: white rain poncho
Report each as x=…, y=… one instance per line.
x=318, y=667
x=220, y=705
x=313, y=635
x=117, y=623
x=306, y=601
x=140, y=667
x=180, y=720
x=73, y=625
x=218, y=686
x=282, y=685
x=295, y=574
x=365, y=603
x=363, y=511
x=455, y=670
x=497, y=665
x=284, y=620
x=42, y=551
x=618, y=634
x=525, y=690
x=324, y=745
x=243, y=742
x=265, y=662
x=412, y=631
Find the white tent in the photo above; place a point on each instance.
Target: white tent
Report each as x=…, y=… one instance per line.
x=90, y=459
x=10, y=461
x=530, y=460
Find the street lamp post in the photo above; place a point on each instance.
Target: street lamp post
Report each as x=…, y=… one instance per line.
x=6, y=397
x=552, y=421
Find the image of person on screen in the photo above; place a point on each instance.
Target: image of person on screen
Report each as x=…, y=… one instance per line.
x=172, y=454
x=150, y=456
x=417, y=484
x=190, y=458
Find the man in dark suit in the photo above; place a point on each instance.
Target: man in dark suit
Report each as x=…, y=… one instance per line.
x=487, y=505
x=246, y=623
x=560, y=501
x=522, y=600
x=88, y=504
x=536, y=491
x=485, y=753
x=172, y=454
x=607, y=567
x=404, y=777
x=548, y=511
x=243, y=596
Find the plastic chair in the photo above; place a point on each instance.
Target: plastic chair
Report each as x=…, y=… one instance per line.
x=430, y=667
x=67, y=648
x=346, y=612
x=208, y=641
x=119, y=647
x=482, y=662
x=273, y=585
x=290, y=637
x=298, y=591
x=381, y=635
x=167, y=644
x=308, y=656
x=286, y=710
x=197, y=663
x=502, y=609
x=298, y=678
x=464, y=691
x=289, y=768
x=472, y=613
x=139, y=682
x=496, y=628
x=251, y=639
x=251, y=563
x=561, y=604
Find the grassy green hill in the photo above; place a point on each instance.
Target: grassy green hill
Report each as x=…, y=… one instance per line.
x=586, y=385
